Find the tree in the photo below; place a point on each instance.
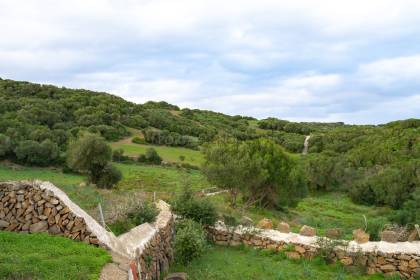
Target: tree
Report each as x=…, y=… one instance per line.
x=259, y=169
x=151, y=157
x=5, y=145
x=32, y=152
x=90, y=154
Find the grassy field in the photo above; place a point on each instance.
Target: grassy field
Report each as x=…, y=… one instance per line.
x=41, y=256
x=323, y=211
x=161, y=179
x=242, y=263
x=169, y=154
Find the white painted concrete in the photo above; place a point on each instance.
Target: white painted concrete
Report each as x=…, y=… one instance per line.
x=294, y=238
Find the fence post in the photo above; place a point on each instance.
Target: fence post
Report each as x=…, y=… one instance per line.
x=101, y=214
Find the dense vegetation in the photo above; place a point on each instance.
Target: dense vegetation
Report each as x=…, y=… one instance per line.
x=41, y=256
x=374, y=165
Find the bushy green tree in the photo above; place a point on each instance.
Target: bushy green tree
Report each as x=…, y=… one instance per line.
x=90, y=154
x=259, y=169
x=151, y=157
x=108, y=177
x=5, y=145
x=35, y=153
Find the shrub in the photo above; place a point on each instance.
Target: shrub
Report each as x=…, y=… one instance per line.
x=145, y=212
x=5, y=145
x=190, y=241
x=138, y=140
x=181, y=157
x=151, y=157
x=108, y=177
x=118, y=155
x=200, y=210
x=409, y=214
x=32, y=152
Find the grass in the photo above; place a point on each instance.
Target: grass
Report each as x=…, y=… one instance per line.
x=168, y=154
x=160, y=179
x=41, y=256
x=244, y=263
x=322, y=211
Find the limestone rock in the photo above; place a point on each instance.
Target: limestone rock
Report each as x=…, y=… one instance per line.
x=246, y=221
x=39, y=226
x=388, y=268
x=265, y=224
x=389, y=236
x=177, y=276
x=4, y=224
x=283, y=227
x=347, y=261
x=360, y=236
x=307, y=231
x=293, y=255
x=333, y=233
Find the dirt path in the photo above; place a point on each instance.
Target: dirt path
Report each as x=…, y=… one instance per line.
x=117, y=269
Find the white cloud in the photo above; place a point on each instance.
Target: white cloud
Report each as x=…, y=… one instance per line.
x=384, y=72
x=299, y=59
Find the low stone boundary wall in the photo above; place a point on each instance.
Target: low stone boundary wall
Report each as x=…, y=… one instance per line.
x=28, y=207
x=153, y=253
x=402, y=258
x=36, y=206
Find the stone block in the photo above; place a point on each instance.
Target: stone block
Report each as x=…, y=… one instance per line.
x=307, y=231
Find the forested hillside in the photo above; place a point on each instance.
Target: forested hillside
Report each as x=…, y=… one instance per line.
x=374, y=164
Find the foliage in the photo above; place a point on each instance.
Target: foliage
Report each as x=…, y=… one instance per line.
x=5, y=145
x=410, y=212
x=108, y=177
x=259, y=169
x=42, y=256
x=145, y=212
x=35, y=153
x=391, y=186
x=151, y=157
x=190, y=241
x=191, y=207
x=91, y=155
x=138, y=140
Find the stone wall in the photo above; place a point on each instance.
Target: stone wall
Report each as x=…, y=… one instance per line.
x=154, y=253
x=26, y=207
x=402, y=258
x=36, y=206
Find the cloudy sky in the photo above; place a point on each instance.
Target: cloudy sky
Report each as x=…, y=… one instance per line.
x=304, y=60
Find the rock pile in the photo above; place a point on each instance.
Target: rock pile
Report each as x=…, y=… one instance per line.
x=25, y=207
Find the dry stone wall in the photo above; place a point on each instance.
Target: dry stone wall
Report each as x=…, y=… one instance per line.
x=26, y=207
x=402, y=258
x=36, y=206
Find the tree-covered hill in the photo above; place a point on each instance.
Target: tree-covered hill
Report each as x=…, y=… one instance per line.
x=375, y=164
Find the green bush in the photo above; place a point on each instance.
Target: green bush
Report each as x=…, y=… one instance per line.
x=118, y=155
x=108, y=177
x=138, y=140
x=145, y=212
x=190, y=242
x=150, y=157
x=200, y=210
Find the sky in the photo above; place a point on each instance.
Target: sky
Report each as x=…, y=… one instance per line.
x=301, y=60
